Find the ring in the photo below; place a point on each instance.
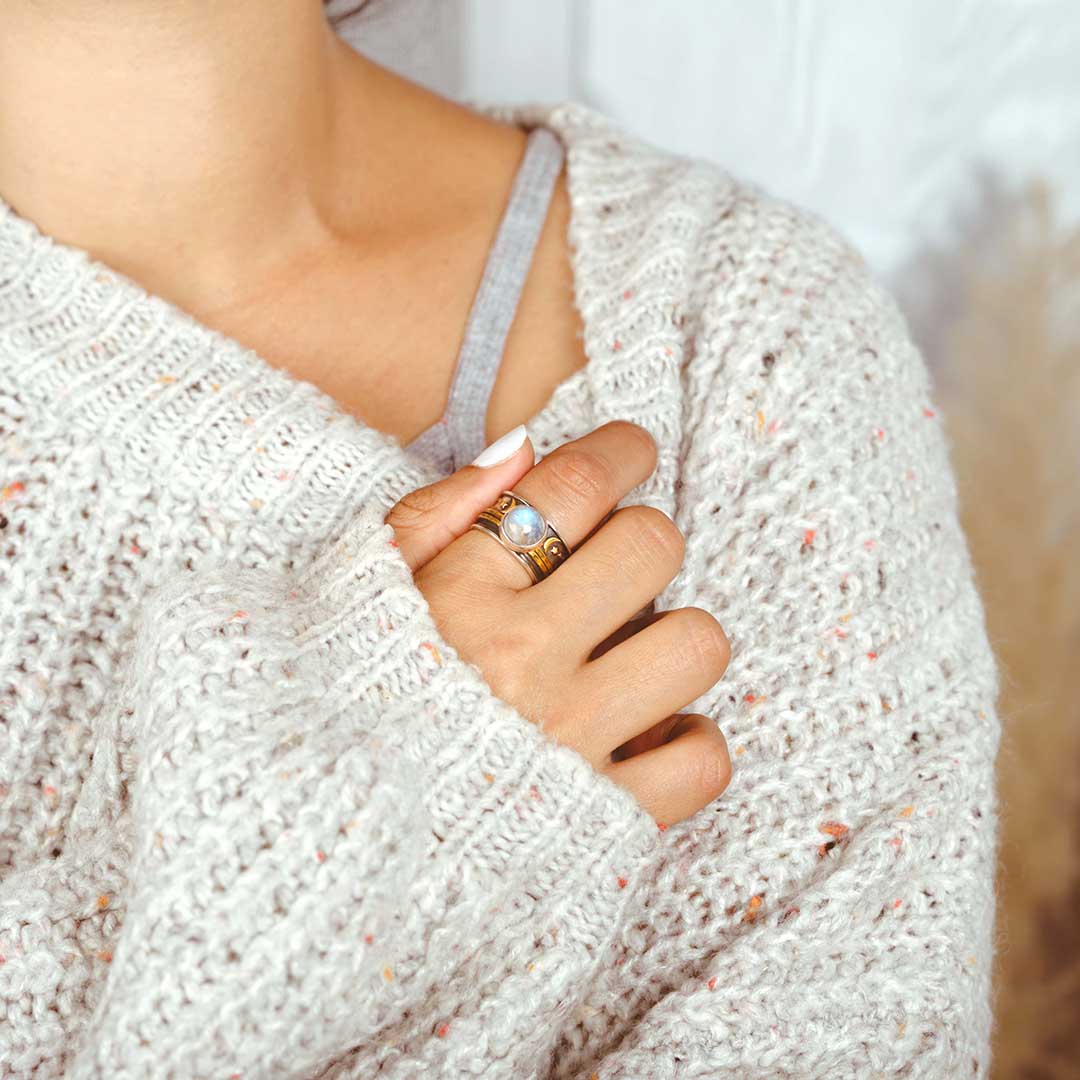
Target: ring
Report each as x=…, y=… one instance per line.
x=525, y=533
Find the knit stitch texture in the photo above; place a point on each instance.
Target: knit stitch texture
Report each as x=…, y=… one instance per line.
x=259, y=819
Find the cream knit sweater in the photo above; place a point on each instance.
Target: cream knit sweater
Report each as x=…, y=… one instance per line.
x=258, y=819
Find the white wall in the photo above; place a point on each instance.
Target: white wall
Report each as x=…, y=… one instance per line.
x=911, y=126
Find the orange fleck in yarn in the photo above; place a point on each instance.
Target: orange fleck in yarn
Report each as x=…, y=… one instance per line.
x=752, y=908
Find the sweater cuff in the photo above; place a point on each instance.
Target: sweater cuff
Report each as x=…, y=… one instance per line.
x=506, y=801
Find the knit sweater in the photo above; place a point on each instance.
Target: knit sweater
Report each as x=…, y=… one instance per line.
x=259, y=819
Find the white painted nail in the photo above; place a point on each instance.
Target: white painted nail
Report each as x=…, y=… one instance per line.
x=502, y=449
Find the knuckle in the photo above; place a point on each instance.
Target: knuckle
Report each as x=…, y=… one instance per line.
x=507, y=660
x=586, y=475
x=656, y=533
x=414, y=509
x=502, y=675
x=713, y=769
x=706, y=640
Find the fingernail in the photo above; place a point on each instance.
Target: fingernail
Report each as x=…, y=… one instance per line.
x=502, y=449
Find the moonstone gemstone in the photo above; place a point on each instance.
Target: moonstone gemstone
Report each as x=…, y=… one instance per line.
x=523, y=526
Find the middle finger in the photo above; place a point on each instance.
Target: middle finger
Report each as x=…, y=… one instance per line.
x=624, y=565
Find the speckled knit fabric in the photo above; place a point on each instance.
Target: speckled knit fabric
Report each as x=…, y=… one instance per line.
x=258, y=819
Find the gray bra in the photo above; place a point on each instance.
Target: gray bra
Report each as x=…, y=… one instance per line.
x=458, y=435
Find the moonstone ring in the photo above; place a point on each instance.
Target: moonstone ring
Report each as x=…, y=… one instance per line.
x=525, y=533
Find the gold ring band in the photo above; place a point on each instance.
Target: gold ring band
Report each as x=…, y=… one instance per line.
x=525, y=533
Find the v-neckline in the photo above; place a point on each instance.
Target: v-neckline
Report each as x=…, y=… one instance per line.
x=158, y=386
x=129, y=289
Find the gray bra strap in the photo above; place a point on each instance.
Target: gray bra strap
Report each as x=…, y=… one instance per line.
x=498, y=293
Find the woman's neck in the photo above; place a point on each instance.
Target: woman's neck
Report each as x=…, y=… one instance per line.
x=210, y=135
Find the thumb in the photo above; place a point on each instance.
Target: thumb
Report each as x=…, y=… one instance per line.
x=426, y=520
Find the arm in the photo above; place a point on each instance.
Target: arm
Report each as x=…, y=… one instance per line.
x=330, y=815
x=847, y=888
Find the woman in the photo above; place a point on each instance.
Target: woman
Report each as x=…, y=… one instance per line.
x=302, y=774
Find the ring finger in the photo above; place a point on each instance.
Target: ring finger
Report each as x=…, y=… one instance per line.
x=652, y=674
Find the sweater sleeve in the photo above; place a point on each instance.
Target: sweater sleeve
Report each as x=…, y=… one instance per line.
x=850, y=886
x=344, y=846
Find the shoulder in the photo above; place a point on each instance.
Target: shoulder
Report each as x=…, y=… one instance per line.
x=733, y=253
x=760, y=290
x=796, y=369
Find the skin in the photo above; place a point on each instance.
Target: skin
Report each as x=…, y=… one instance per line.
x=614, y=703
x=244, y=163
x=240, y=160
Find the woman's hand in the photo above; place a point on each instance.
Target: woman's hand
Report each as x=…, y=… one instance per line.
x=558, y=650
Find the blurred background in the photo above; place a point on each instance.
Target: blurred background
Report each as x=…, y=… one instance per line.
x=944, y=141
